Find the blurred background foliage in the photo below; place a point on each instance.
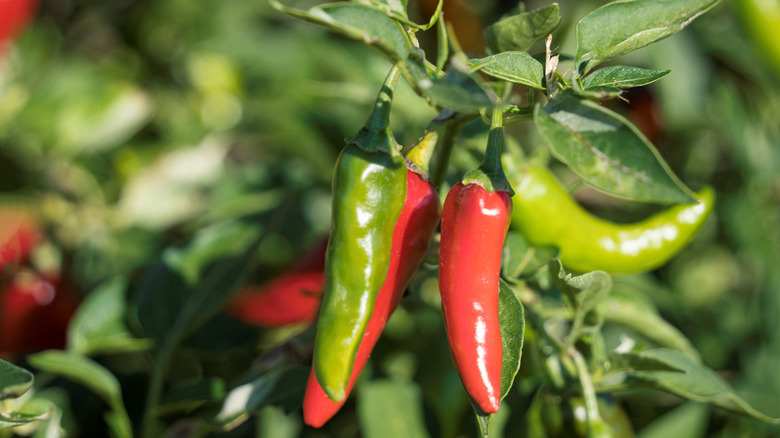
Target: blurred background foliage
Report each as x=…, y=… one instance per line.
x=135, y=130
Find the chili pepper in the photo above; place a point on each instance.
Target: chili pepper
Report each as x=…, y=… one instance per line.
x=14, y=15
x=475, y=219
x=369, y=187
x=411, y=236
x=546, y=215
x=291, y=298
x=19, y=234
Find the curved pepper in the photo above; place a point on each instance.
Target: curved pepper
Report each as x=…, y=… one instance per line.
x=546, y=215
x=411, y=236
x=369, y=187
x=291, y=298
x=474, y=223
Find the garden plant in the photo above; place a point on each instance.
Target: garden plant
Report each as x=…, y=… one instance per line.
x=366, y=218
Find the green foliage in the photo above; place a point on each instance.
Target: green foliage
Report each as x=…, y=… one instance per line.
x=519, y=31
x=621, y=27
x=177, y=152
x=607, y=151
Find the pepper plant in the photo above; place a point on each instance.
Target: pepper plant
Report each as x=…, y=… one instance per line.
x=463, y=289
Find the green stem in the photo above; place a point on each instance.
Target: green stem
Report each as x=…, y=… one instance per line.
x=490, y=174
x=419, y=156
x=518, y=118
x=588, y=391
x=156, y=383
x=379, y=120
x=491, y=164
x=445, y=148
x=575, y=331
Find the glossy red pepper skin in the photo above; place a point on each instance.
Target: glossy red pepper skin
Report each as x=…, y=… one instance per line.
x=473, y=227
x=411, y=236
x=292, y=298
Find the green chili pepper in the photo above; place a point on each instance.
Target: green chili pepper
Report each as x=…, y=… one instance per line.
x=369, y=188
x=546, y=215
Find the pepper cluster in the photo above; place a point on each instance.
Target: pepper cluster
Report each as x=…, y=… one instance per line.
x=384, y=214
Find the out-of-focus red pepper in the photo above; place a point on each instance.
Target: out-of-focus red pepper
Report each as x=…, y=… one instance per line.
x=19, y=233
x=411, y=236
x=34, y=313
x=14, y=15
x=292, y=298
x=34, y=309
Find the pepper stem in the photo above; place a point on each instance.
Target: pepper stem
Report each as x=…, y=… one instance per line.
x=490, y=174
x=375, y=136
x=418, y=158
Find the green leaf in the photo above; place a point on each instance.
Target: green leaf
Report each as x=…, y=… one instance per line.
x=14, y=381
x=483, y=422
x=586, y=291
x=272, y=422
x=457, y=89
x=395, y=6
x=15, y=419
x=516, y=67
x=390, y=409
x=634, y=311
x=188, y=397
x=94, y=376
x=688, y=420
x=519, y=31
x=695, y=382
x=636, y=361
x=522, y=259
x=282, y=386
x=512, y=320
x=621, y=27
x=359, y=22
x=599, y=93
x=622, y=76
x=99, y=323
x=607, y=151
x=190, y=284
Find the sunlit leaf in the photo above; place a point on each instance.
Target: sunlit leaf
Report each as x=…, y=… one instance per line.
x=621, y=27
x=99, y=323
x=92, y=375
x=282, y=386
x=516, y=67
x=586, y=291
x=359, y=22
x=621, y=76
x=14, y=381
x=519, y=31
x=694, y=381
x=607, y=151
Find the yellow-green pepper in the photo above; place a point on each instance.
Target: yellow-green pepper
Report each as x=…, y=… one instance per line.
x=547, y=216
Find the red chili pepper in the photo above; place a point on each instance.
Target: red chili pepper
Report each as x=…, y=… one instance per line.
x=14, y=15
x=19, y=233
x=473, y=226
x=292, y=298
x=411, y=235
x=35, y=313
